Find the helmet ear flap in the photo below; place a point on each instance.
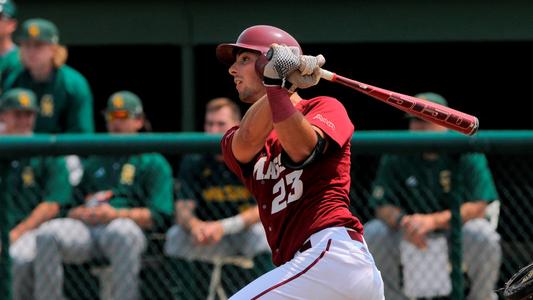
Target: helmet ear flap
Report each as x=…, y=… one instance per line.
x=260, y=64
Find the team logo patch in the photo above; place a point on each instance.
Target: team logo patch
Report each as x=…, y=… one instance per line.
x=28, y=178
x=47, y=106
x=118, y=102
x=24, y=99
x=34, y=30
x=128, y=174
x=445, y=180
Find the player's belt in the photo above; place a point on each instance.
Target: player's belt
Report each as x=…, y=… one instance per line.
x=354, y=235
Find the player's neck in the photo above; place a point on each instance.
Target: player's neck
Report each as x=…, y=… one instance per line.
x=42, y=73
x=6, y=44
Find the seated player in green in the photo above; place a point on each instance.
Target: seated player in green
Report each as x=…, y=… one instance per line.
x=411, y=196
x=35, y=189
x=63, y=94
x=216, y=215
x=121, y=197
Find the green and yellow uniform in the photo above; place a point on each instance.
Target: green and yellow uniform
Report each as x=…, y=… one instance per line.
x=30, y=181
x=218, y=193
x=9, y=63
x=418, y=185
x=143, y=180
x=65, y=100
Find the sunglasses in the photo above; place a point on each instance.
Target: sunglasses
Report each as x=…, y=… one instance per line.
x=118, y=115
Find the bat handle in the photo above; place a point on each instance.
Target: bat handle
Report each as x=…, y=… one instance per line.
x=325, y=74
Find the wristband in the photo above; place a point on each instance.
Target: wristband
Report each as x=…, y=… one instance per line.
x=280, y=104
x=233, y=224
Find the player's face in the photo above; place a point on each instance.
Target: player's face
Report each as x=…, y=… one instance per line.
x=219, y=121
x=125, y=126
x=247, y=82
x=7, y=26
x=18, y=122
x=420, y=125
x=36, y=55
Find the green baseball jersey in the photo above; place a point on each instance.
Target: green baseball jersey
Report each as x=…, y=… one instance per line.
x=30, y=181
x=143, y=180
x=418, y=185
x=218, y=193
x=9, y=63
x=65, y=100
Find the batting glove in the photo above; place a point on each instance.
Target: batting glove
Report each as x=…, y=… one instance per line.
x=282, y=61
x=308, y=73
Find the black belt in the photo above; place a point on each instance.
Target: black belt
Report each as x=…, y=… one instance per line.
x=354, y=235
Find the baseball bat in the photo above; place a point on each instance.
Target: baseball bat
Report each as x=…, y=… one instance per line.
x=423, y=109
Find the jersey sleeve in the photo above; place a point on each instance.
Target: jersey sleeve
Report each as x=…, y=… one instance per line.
x=227, y=152
x=383, y=186
x=479, y=183
x=80, y=115
x=57, y=187
x=159, y=191
x=331, y=117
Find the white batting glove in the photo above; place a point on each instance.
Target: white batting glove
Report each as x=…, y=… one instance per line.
x=309, y=64
x=282, y=61
x=308, y=74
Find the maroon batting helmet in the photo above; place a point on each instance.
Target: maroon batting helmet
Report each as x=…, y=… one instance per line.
x=256, y=38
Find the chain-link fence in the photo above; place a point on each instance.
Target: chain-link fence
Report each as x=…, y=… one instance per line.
x=124, y=259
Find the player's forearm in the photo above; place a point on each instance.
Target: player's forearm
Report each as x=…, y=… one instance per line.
x=297, y=137
x=469, y=211
x=250, y=216
x=185, y=214
x=390, y=214
x=40, y=214
x=254, y=128
x=141, y=216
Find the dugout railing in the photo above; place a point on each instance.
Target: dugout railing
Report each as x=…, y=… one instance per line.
x=509, y=154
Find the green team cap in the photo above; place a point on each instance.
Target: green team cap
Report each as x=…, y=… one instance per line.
x=125, y=101
x=8, y=8
x=39, y=30
x=19, y=98
x=433, y=97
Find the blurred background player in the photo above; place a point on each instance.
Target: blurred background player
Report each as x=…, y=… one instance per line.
x=63, y=94
x=9, y=51
x=294, y=156
x=121, y=198
x=411, y=199
x=36, y=188
x=216, y=215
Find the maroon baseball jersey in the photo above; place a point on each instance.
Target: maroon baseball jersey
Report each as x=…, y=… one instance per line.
x=294, y=204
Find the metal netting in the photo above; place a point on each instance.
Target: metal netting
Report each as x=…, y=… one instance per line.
x=163, y=276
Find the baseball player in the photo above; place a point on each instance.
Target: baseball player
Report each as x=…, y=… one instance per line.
x=410, y=197
x=120, y=198
x=294, y=156
x=9, y=52
x=34, y=188
x=64, y=96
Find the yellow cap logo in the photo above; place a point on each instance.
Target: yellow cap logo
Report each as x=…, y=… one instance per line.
x=24, y=100
x=118, y=102
x=34, y=30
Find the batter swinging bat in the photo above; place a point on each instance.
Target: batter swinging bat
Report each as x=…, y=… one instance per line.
x=424, y=109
